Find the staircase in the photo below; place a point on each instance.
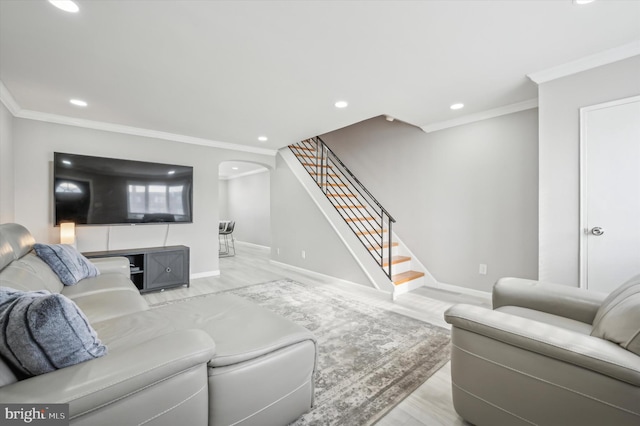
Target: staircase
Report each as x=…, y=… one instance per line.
x=365, y=216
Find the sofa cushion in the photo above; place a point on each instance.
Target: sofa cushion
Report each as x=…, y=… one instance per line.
x=241, y=329
x=6, y=373
x=618, y=319
x=19, y=237
x=43, y=332
x=66, y=262
x=30, y=273
x=556, y=320
x=101, y=284
x=6, y=252
x=110, y=304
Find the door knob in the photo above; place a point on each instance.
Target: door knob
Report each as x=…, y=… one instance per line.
x=597, y=231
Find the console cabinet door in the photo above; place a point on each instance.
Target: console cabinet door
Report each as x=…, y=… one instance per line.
x=166, y=268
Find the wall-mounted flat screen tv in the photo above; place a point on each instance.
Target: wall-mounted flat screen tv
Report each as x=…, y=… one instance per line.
x=109, y=191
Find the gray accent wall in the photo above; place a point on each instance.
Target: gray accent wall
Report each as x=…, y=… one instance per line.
x=34, y=143
x=461, y=197
x=249, y=206
x=560, y=102
x=297, y=224
x=6, y=166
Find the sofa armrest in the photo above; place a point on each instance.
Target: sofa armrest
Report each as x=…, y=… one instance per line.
x=111, y=265
x=586, y=351
x=569, y=302
x=121, y=372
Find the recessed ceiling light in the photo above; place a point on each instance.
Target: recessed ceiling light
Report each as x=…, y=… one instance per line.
x=78, y=102
x=263, y=138
x=234, y=168
x=457, y=106
x=66, y=5
x=341, y=104
x=583, y=1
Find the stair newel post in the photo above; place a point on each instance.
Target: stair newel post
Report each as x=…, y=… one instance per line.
x=325, y=175
x=381, y=234
x=390, y=246
x=318, y=162
x=324, y=166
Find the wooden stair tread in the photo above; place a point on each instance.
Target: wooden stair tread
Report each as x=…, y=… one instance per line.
x=406, y=276
x=333, y=175
x=324, y=166
x=395, y=260
x=347, y=206
x=372, y=232
x=302, y=148
x=385, y=245
x=359, y=219
x=332, y=194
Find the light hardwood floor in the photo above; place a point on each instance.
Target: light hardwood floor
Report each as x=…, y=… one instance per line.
x=430, y=404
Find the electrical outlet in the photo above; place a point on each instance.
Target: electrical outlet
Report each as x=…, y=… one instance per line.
x=303, y=254
x=483, y=269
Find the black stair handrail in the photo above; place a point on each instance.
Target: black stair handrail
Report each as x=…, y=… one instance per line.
x=364, y=188
x=346, y=188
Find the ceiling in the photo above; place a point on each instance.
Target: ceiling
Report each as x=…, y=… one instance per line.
x=235, y=169
x=227, y=72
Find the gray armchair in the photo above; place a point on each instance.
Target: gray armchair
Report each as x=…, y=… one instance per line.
x=548, y=354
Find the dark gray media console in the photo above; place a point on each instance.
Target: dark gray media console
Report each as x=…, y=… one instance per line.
x=154, y=268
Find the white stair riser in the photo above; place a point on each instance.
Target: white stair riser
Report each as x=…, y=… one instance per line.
x=394, y=252
x=400, y=267
x=408, y=286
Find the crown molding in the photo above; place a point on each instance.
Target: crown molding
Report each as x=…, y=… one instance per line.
x=136, y=131
x=7, y=99
x=241, y=175
x=13, y=107
x=588, y=62
x=484, y=115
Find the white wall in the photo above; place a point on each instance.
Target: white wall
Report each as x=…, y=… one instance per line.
x=249, y=206
x=6, y=166
x=560, y=102
x=34, y=143
x=223, y=199
x=461, y=196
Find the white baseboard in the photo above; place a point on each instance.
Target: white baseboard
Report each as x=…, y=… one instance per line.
x=464, y=290
x=244, y=243
x=321, y=275
x=205, y=274
x=439, y=285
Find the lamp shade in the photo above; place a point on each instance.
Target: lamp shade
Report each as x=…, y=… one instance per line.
x=68, y=233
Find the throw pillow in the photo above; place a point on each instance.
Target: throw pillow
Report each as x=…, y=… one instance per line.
x=68, y=264
x=618, y=319
x=43, y=332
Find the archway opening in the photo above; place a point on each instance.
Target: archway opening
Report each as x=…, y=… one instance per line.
x=245, y=199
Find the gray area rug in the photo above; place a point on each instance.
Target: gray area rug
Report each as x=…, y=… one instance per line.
x=369, y=359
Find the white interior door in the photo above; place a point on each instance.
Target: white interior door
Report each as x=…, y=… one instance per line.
x=610, y=199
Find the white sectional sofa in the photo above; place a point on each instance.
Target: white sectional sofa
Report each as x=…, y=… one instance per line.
x=215, y=360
